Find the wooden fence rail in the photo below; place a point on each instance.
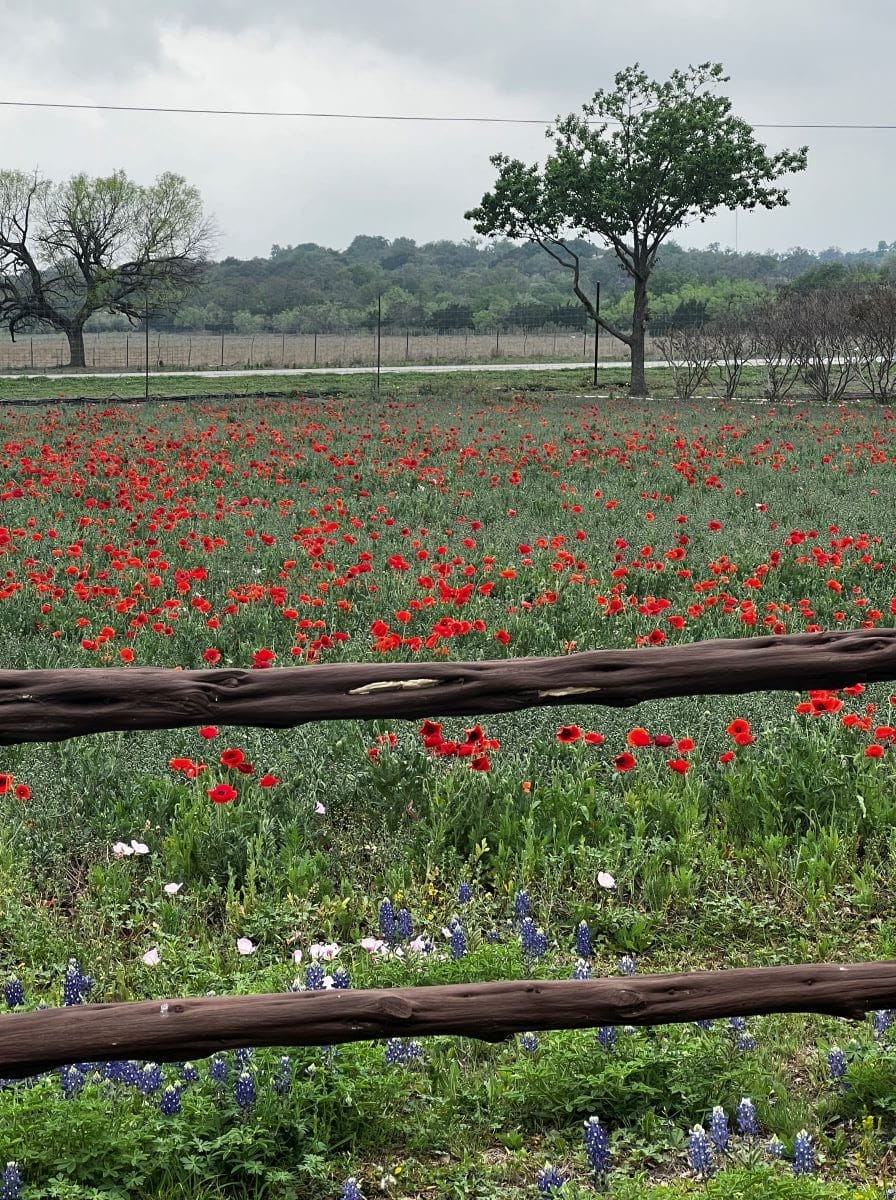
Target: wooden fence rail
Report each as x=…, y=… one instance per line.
x=165, y=1030
x=43, y=706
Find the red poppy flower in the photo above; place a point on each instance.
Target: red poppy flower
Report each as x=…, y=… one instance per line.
x=481, y=763
x=186, y=765
x=502, y=636
x=685, y=744
x=680, y=765
x=222, y=793
x=874, y=751
x=638, y=737
x=6, y=782
x=624, y=761
x=594, y=739
x=737, y=726
x=208, y=732
x=268, y=780
x=232, y=758
x=23, y=791
x=727, y=757
x=126, y=654
x=568, y=733
x=211, y=655
x=744, y=739
x=663, y=741
x=263, y=658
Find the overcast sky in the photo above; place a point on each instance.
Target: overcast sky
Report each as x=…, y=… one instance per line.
x=295, y=180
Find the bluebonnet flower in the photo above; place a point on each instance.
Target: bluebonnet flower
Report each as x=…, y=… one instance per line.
x=528, y=1042
x=742, y=1040
x=131, y=1074
x=243, y=1057
x=458, y=941
x=584, y=945
x=881, y=1021
x=705, y=1023
x=283, y=1078
x=350, y=1190
x=75, y=985
x=534, y=941
x=597, y=1147
x=581, y=970
x=494, y=936
x=606, y=1036
x=627, y=965
x=774, y=1147
x=150, y=1078
x=341, y=979
x=521, y=905
x=314, y=977
x=718, y=1129
x=189, y=1073
x=170, y=1104
x=387, y=922
x=803, y=1154
x=244, y=1089
x=114, y=1071
x=11, y=1182
x=218, y=1069
x=700, y=1153
x=836, y=1063
x=72, y=1081
x=404, y=925
x=550, y=1180
x=14, y=993
x=399, y=1052
x=745, y=1118
x=464, y=894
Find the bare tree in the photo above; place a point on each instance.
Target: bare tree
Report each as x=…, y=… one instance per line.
x=690, y=353
x=873, y=321
x=734, y=343
x=68, y=250
x=775, y=341
x=824, y=342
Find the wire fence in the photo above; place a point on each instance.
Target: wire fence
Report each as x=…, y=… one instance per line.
x=120, y=351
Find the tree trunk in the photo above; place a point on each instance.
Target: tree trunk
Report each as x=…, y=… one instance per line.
x=638, y=381
x=75, y=335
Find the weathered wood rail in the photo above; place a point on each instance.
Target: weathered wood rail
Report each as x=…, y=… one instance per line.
x=43, y=706
x=165, y=1030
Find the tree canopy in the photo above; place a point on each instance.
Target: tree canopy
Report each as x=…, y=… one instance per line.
x=643, y=159
x=71, y=249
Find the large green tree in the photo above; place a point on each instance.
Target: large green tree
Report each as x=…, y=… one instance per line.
x=71, y=249
x=642, y=160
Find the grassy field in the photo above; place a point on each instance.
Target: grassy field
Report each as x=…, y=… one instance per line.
x=457, y=519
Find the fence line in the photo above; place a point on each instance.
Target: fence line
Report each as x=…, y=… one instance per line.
x=166, y=1030
x=113, y=351
x=52, y=705
x=55, y=704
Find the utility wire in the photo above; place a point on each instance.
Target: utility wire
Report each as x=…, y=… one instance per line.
x=349, y=116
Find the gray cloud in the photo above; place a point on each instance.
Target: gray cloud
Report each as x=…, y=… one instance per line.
x=799, y=60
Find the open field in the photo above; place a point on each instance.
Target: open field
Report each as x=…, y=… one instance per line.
x=457, y=520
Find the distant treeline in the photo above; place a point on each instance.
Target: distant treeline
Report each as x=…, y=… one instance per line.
x=475, y=285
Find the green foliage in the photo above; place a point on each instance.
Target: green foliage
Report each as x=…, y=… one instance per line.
x=641, y=161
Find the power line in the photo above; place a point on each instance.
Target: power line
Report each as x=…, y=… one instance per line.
x=350, y=116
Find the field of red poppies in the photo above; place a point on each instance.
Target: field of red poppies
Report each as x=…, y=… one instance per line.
x=682, y=834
